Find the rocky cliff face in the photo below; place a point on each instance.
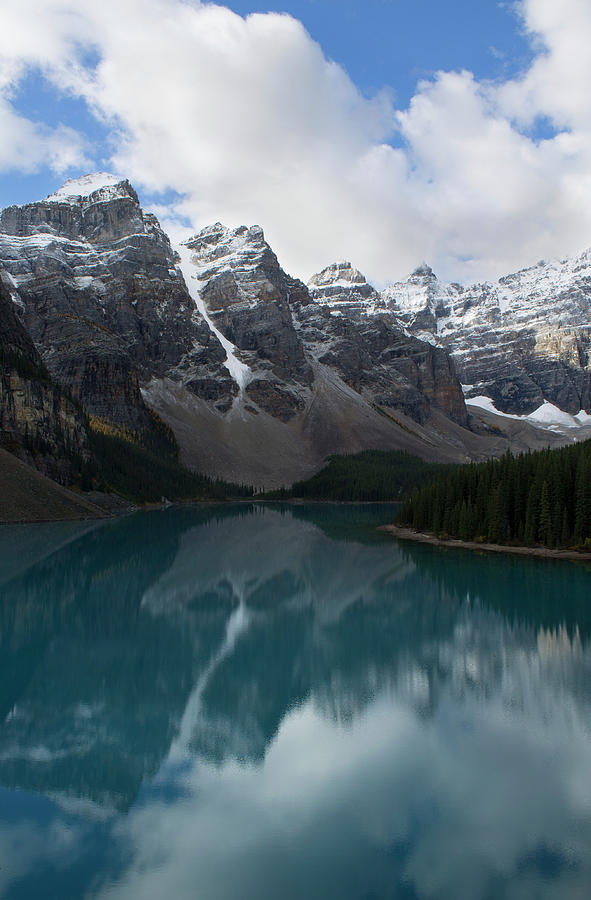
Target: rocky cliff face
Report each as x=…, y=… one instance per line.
x=101, y=294
x=348, y=328
x=246, y=297
x=106, y=302
x=37, y=421
x=520, y=341
x=280, y=329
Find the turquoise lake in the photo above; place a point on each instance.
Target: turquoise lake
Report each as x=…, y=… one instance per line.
x=246, y=702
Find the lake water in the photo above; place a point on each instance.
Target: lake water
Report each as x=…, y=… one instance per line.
x=242, y=703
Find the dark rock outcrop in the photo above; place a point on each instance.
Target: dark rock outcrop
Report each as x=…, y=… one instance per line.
x=373, y=355
x=38, y=422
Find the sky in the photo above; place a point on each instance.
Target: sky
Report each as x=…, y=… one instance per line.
x=386, y=132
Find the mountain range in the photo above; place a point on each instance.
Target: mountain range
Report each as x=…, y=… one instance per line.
x=260, y=376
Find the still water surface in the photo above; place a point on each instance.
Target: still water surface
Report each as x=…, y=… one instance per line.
x=242, y=703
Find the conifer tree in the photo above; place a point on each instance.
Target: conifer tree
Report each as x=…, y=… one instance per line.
x=537, y=497
x=545, y=531
x=565, y=532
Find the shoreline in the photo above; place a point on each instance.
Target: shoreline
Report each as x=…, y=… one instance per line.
x=112, y=506
x=407, y=534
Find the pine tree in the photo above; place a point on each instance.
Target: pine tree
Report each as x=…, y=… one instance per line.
x=496, y=524
x=565, y=532
x=581, y=530
x=531, y=516
x=464, y=524
x=543, y=496
x=545, y=531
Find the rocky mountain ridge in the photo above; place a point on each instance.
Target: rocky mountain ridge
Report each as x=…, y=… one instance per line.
x=347, y=328
x=259, y=375
x=242, y=292
x=520, y=341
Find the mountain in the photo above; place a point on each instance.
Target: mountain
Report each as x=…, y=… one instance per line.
x=306, y=382
x=374, y=353
x=521, y=341
x=259, y=376
x=100, y=293
x=245, y=296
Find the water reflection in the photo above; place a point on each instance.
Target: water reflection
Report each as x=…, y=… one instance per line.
x=265, y=702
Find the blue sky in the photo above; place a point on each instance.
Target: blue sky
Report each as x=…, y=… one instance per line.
x=388, y=131
x=398, y=42
x=389, y=44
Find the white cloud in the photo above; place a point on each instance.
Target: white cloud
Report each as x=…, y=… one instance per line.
x=28, y=146
x=557, y=84
x=251, y=121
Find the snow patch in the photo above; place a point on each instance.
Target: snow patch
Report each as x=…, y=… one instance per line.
x=546, y=416
x=39, y=240
x=83, y=281
x=583, y=417
x=487, y=404
x=17, y=300
x=74, y=188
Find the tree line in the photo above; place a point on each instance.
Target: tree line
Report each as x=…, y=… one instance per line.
x=145, y=466
x=541, y=497
x=372, y=475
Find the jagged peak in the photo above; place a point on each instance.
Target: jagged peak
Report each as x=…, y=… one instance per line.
x=338, y=272
x=217, y=233
x=208, y=235
x=103, y=184
x=423, y=270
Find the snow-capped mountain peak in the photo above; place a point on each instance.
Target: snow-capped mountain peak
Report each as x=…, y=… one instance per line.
x=107, y=186
x=521, y=341
x=423, y=271
x=341, y=283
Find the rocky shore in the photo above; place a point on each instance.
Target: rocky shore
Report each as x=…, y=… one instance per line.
x=407, y=534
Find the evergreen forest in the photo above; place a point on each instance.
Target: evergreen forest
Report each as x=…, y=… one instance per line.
x=541, y=497
x=372, y=475
x=145, y=466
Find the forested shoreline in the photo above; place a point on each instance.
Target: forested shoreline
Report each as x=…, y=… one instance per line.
x=144, y=467
x=537, y=498
x=371, y=475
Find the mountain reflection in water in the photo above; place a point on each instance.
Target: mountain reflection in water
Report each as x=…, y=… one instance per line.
x=247, y=701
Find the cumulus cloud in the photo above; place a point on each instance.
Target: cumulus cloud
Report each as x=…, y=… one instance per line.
x=28, y=146
x=248, y=120
x=557, y=84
